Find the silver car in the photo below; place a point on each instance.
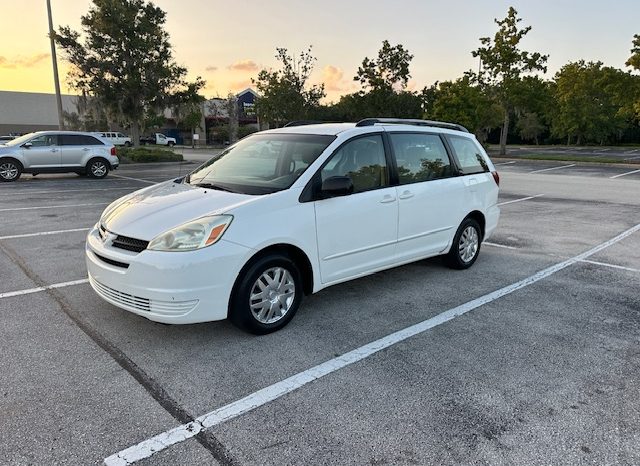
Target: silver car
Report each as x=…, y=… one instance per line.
x=57, y=152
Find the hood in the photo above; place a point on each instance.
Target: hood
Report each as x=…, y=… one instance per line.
x=151, y=211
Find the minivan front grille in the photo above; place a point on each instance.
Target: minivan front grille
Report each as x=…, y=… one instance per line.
x=130, y=244
x=112, y=262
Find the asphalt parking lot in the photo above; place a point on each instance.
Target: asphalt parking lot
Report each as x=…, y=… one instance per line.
x=529, y=357
x=630, y=154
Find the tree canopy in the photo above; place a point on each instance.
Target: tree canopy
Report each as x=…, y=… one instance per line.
x=503, y=64
x=285, y=94
x=124, y=60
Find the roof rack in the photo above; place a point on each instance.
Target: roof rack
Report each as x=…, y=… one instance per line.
x=414, y=122
x=302, y=123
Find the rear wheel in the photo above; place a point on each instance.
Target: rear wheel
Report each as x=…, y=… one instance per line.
x=267, y=295
x=10, y=170
x=466, y=245
x=97, y=168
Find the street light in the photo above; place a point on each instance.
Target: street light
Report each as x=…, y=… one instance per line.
x=55, y=68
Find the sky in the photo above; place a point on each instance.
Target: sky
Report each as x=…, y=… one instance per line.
x=228, y=42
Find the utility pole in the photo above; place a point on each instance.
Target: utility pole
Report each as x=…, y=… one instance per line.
x=55, y=68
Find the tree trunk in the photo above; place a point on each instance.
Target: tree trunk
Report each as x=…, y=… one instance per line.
x=579, y=140
x=193, y=141
x=135, y=134
x=503, y=134
x=568, y=139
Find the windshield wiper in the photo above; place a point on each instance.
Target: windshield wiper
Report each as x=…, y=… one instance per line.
x=213, y=186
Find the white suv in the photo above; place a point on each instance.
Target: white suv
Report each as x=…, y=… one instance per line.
x=57, y=152
x=287, y=212
x=115, y=138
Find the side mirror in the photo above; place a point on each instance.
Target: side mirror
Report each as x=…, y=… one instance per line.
x=27, y=145
x=337, y=186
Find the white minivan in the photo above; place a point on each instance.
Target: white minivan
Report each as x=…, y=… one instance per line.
x=290, y=211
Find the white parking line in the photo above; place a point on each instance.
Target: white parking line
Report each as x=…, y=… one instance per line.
x=553, y=168
x=29, y=192
x=135, y=179
x=42, y=233
x=633, y=158
x=51, y=207
x=613, y=266
x=232, y=410
x=504, y=163
x=520, y=200
x=43, y=288
x=495, y=245
x=624, y=174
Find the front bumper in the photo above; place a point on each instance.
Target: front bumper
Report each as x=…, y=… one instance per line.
x=168, y=287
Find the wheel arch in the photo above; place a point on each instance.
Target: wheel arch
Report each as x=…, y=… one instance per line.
x=13, y=159
x=296, y=254
x=480, y=218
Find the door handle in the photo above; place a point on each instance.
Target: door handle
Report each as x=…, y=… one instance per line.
x=54, y=150
x=86, y=149
x=406, y=195
x=388, y=198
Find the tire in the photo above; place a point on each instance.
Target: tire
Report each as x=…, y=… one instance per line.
x=10, y=170
x=127, y=144
x=97, y=168
x=259, y=315
x=466, y=245
x=171, y=144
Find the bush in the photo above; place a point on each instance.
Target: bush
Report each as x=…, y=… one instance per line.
x=145, y=155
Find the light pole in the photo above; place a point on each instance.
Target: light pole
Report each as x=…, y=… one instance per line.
x=55, y=68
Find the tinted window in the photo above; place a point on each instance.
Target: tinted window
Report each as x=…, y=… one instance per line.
x=469, y=155
x=44, y=140
x=262, y=163
x=120, y=135
x=78, y=140
x=362, y=160
x=420, y=157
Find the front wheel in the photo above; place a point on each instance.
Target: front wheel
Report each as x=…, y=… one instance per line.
x=10, y=170
x=171, y=144
x=127, y=144
x=267, y=295
x=466, y=245
x=97, y=168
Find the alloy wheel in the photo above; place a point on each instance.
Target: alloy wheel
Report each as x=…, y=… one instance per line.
x=9, y=171
x=272, y=295
x=468, y=245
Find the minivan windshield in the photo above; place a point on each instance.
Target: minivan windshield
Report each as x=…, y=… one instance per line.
x=261, y=163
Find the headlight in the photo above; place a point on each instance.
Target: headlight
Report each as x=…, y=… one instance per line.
x=197, y=234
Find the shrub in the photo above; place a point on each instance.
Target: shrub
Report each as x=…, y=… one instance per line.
x=145, y=155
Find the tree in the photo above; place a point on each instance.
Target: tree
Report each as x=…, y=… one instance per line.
x=593, y=102
x=389, y=71
x=187, y=107
x=503, y=65
x=284, y=93
x=384, y=82
x=634, y=61
x=124, y=60
x=462, y=102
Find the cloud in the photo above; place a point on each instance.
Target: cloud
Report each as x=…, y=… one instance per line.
x=333, y=79
x=23, y=62
x=240, y=85
x=244, y=65
x=211, y=68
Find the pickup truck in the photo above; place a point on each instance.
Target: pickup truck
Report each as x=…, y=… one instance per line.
x=158, y=138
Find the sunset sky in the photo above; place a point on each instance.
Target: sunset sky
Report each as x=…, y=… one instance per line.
x=227, y=42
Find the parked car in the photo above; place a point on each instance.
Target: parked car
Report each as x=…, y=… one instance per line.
x=115, y=138
x=291, y=211
x=5, y=139
x=57, y=152
x=158, y=138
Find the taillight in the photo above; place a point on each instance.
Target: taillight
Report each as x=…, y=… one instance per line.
x=113, y=151
x=496, y=177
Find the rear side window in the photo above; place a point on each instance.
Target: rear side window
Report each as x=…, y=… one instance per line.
x=361, y=159
x=469, y=155
x=79, y=140
x=420, y=157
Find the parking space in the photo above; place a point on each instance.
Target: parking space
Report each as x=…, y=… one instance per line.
x=544, y=372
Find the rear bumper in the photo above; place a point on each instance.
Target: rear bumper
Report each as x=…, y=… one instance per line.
x=491, y=221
